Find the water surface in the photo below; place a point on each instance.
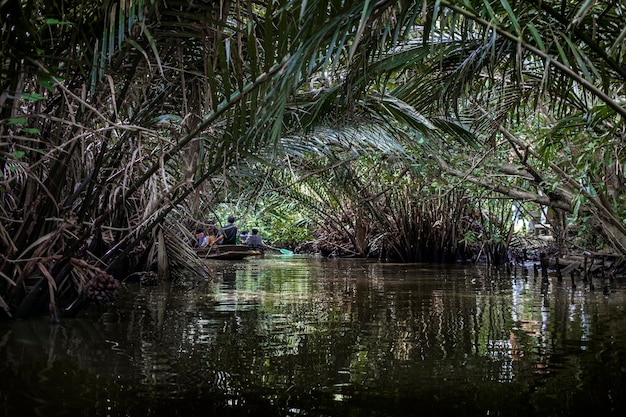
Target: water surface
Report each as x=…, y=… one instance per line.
x=303, y=336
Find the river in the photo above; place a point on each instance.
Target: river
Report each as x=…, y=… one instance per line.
x=306, y=336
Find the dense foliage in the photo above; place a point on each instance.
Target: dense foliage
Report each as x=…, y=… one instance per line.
x=124, y=123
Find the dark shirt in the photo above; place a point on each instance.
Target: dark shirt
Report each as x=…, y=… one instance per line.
x=255, y=242
x=230, y=234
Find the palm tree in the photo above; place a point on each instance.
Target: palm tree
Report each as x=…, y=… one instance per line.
x=558, y=76
x=483, y=68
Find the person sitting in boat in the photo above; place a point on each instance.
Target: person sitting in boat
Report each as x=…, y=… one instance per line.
x=199, y=236
x=212, y=236
x=255, y=242
x=228, y=234
x=243, y=236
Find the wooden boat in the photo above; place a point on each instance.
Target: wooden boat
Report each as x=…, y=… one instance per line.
x=230, y=256
x=227, y=252
x=233, y=248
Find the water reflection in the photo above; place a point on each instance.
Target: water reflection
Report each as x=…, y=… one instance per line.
x=291, y=336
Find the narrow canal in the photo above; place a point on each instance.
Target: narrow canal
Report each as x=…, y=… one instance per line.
x=304, y=336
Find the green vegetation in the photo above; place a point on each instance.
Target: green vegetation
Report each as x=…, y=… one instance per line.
x=281, y=224
x=393, y=129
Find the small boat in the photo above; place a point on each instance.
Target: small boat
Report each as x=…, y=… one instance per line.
x=227, y=252
x=233, y=248
x=231, y=256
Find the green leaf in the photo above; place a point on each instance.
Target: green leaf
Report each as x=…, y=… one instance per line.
x=16, y=121
x=511, y=14
x=536, y=36
x=52, y=21
x=562, y=54
x=33, y=97
x=490, y=12
x=619, y=41
x=32, y=130
x=166, y=118
x=584, y=63
x=17, y=154
x=47, y=81
x=154, y=48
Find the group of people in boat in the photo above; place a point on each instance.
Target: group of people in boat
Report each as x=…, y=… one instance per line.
x=212, y=236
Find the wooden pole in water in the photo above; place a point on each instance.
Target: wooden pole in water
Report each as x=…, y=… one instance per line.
x=544, y=260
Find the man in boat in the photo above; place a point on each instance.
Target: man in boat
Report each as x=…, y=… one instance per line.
x=228, y=234
x=255, y=242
